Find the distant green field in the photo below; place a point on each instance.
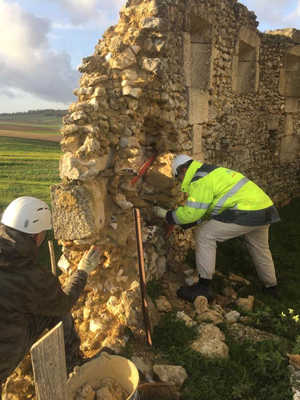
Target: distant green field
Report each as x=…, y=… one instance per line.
x=31, y=126
x=27, y=168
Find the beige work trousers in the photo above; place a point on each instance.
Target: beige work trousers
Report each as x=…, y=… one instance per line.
x=256, y=239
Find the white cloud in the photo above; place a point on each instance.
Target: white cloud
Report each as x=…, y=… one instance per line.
x=88, y=13
x=275, y=14
x=26, y=61
x=293, y=19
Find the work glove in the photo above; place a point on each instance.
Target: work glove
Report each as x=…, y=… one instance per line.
x=90, y=260
x=160, y=212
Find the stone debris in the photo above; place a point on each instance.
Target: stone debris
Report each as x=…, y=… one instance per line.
x=230, y=293
x=171, y=373
x=191, y=280
x=210, y=342
x=246, y=304
x=136, y=100
x=144, y=367
x=294, y=360
x=232, y=317
x=201, y=305
x=163, y=305
x=102, y=389
x=187, y=320
x=235, y=279
x=210, y=315
x=241, y=332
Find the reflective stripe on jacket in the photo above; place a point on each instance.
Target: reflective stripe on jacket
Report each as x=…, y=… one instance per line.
x=222, y=194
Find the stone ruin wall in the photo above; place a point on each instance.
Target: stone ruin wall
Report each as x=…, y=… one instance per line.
x=173, y=76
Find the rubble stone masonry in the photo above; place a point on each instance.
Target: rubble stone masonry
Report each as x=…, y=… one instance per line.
x=173, y=76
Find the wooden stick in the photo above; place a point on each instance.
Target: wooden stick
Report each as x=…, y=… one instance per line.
x=52, y=257
x=49, y=365
x=140, y=250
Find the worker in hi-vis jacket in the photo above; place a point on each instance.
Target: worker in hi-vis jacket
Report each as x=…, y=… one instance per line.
x=231, y=205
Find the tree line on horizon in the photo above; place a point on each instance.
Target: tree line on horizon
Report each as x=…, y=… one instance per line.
x=46, y=112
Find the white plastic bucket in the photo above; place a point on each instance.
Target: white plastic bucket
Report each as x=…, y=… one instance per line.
x=118, y=368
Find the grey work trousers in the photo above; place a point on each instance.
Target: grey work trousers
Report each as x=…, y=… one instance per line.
x=256, y=239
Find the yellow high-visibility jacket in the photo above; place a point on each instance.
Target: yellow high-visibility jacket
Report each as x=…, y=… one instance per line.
x=222, y=194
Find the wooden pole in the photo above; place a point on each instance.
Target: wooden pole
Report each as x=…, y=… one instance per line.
x=49, y=365
x=142, y=274
x=52, y=257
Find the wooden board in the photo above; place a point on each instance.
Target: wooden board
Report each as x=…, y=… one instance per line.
x=49, y=365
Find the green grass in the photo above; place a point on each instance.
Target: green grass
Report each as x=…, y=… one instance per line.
x=254, y=371
x=27, y=168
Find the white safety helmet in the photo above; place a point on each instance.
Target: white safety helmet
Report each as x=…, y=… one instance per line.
x=179, y=160
x=27, y=214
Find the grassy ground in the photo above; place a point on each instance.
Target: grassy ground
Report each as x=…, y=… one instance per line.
x=255, y=371
x=29, y=168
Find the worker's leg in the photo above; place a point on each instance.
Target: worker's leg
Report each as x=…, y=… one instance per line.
x=257, y=243
x=206, y=238
x=41, y=322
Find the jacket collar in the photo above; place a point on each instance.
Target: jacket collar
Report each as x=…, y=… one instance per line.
x=16, y=248
x=189, y=175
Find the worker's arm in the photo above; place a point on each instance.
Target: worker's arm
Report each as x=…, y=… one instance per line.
x=195, y=210
x=53, y=300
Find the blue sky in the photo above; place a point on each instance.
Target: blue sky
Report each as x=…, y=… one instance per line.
x=42, y=42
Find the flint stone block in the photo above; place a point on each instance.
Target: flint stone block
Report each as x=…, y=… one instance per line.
x=78, y=115
x=74, y=168
x=69, y=129
x=153, y=23
x=154, y=65
x=70, y=143
x=124, y=60
x=132, y=92
x=78, y=211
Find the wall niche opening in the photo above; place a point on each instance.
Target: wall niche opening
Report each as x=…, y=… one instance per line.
x=247, y=69
x=292, y=76
x=201, y=49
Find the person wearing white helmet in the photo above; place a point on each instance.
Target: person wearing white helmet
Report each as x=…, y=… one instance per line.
x=230, y=205
x=32, y=298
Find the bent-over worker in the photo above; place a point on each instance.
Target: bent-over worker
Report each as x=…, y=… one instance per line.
x=232, y=206
x=31, y=297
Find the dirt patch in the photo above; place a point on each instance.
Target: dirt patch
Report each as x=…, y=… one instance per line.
x=31, y=135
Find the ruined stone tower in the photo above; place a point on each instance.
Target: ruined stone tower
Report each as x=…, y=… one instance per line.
x=173, y=76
